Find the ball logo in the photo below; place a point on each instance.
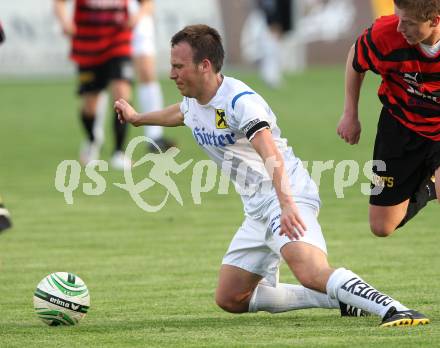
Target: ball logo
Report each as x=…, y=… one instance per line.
x=65, y=304
x=59, y=302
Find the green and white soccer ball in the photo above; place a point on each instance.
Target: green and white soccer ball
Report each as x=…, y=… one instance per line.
x=61, y=299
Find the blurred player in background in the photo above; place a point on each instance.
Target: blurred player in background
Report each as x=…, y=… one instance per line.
x=404, y=49
x=238, y=130
x=5, y=218
x=278, y=14
x=2, y=34
x=144, y=57
x=101, y=47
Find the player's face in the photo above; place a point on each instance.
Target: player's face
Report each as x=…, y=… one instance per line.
x=415, y=31
x=184, y=72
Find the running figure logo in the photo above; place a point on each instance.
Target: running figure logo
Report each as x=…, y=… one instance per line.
x=164, y=163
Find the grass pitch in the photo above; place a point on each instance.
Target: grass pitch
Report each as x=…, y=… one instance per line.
x=152, y=276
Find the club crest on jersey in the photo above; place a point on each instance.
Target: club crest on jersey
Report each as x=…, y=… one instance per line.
x=220, y=119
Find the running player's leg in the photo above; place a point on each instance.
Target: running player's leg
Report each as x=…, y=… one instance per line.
x=90, y=85
x=120, y=89
x=89, y=149
x=144, y=56
x=401, y=184
x=149, y=91
x=385, y=219
x=120, y=74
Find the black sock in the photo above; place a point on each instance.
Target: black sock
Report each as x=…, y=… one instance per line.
x=88, y=122
x=120, y=130
x=419, y=199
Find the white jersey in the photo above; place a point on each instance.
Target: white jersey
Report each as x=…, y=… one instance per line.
x=224, y=128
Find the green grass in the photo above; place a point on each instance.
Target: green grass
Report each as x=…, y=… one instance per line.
x=152, y=276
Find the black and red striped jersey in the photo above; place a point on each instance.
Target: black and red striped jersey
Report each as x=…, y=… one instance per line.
x=410, y=87
x=101, y=31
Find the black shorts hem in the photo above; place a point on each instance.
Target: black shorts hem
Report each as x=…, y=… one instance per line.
x=409, y=158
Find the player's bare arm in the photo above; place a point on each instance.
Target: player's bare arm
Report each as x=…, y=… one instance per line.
x=64, y=19
x=349, y=127
x=146, y=8
x=291, y=223
x=171, y=116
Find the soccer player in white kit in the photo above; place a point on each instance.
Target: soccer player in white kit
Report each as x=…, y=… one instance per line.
x=144, y=58
x=238, y=130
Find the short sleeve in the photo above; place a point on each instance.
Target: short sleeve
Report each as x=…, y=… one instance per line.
x=184, y=106
x=251, y=114
x=364, y=58
x=377, y=45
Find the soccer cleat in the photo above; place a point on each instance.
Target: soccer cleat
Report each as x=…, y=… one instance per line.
x=403, y=318
x=351, y=311
x=120, y=161
x=430, y=188
x=5, y=218
x=163, y=144
x=89, y=152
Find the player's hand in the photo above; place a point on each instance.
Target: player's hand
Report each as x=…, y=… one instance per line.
x=291, y=223
x=126, y=113
x=69, y=28
x=146, y=9
x=133, y=20
x=349, y=129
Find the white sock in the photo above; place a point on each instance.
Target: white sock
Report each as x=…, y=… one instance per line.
x=286, y=297
x=101, y=111
x=270, y=67
x=151, y=99
x=349, y=288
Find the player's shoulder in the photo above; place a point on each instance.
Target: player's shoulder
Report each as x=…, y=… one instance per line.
x=236, y=91
x=384, y=35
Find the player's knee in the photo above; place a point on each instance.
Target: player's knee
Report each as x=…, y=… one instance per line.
x=380, y=229
x=231, y=303
x=88, y=112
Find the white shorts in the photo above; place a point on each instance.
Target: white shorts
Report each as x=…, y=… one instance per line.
x=143, y=38
x=256, y=245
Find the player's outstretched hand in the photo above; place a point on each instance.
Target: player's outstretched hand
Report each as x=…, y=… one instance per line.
x=349, y=129
x=126, y=113
x=69, y=28
x=291, y=223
